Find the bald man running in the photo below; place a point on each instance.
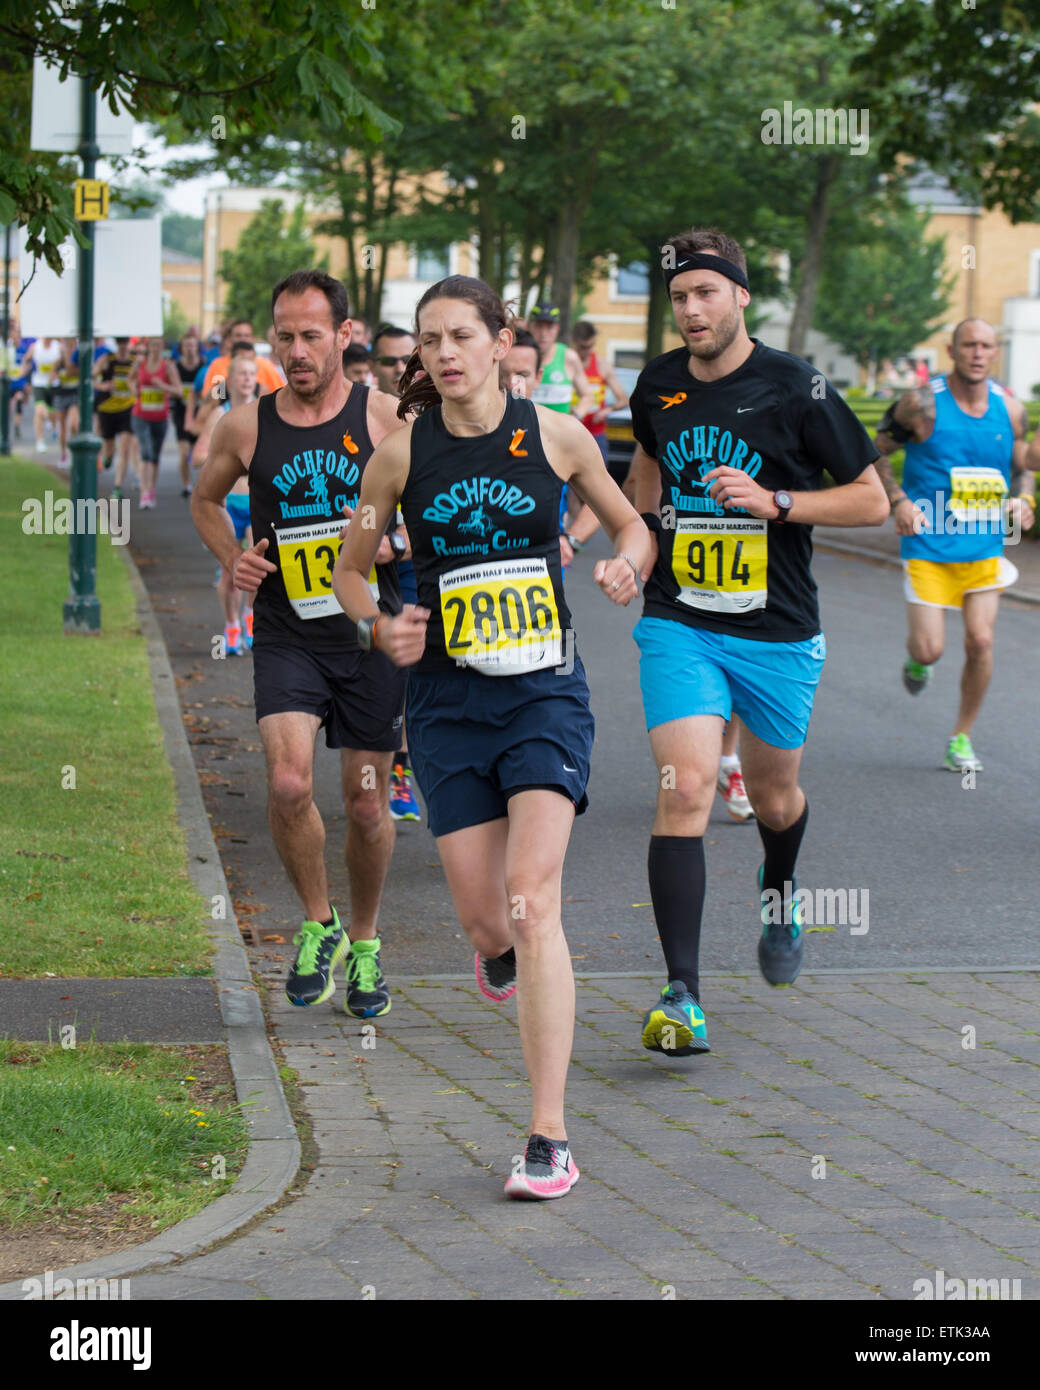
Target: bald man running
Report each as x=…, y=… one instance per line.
x=966, y=485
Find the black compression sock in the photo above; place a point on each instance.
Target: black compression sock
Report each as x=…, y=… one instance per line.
x=675, y=865
x=781, y=847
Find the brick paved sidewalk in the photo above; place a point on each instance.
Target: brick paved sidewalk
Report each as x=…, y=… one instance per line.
x=697, y=1175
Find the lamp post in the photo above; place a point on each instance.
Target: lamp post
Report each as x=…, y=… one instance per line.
x=82, y=609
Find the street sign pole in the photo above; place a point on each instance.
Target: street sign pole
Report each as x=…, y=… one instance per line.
x=82, y=609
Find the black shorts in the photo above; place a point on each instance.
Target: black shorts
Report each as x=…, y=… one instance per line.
x=113, y=422
x=358, y=696
x=474, y=741
x=179, y=413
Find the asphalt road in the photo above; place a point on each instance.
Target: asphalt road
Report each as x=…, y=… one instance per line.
x=945, y=866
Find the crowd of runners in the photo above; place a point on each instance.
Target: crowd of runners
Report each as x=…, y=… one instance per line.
x=394, y=519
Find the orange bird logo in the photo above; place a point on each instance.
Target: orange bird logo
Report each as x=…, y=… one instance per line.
x=514, y=445
x=677, y=399
x=349, y=444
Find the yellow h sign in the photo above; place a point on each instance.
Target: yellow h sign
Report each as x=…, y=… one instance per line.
x=90, y=200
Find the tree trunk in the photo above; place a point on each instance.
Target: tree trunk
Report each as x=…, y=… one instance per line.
x=809, y=270
x=486, y=229
x=657, y=308
x=565, y=267
x=389, y=208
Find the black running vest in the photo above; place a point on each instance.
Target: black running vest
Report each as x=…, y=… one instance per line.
x=483, y=520
x=300, y=479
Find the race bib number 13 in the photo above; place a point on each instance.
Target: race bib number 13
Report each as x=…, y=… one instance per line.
x=307, y=556
x=720, y=563
x=501, y=618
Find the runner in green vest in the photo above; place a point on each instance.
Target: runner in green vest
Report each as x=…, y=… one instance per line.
x=562, y=375
x=561, y=378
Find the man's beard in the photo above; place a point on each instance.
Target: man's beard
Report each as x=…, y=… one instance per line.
x=723, y=336
x=319, y=385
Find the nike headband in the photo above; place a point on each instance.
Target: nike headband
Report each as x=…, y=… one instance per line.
x=702, y=261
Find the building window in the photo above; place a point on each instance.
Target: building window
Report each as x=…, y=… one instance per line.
x=634, y=279
x=432, y=262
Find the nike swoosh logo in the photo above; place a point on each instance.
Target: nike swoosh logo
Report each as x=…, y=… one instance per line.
x=569, y=769
x=743, y=409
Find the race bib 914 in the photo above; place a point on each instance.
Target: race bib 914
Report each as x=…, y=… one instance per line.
x=720, y=563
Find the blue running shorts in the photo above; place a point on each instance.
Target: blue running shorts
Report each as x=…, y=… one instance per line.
x=687, y=670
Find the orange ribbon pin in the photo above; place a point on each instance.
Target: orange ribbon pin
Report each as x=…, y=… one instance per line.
x=514, y=445
x=349, y=444
x=677, y=399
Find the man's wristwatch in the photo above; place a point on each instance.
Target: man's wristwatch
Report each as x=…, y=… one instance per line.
x=576, y=546
x=783, y=502
x=366, y=632
x=398, y=545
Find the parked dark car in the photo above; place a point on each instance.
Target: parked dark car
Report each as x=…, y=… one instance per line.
x=621, y=444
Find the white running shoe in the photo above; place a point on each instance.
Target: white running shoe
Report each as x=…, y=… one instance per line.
x=731, y=785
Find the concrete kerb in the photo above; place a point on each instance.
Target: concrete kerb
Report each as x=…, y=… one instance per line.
x=866, y=552
x=273, y=1158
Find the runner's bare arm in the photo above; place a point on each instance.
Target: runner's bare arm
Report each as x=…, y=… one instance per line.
x=1021, y=472
x=382, y=416
x=570, y=443
x=381, y=485
x=648, y=481
x=172, y=384
x=233, y=441
x=403, y=638
x=859, y=503
x=620, y=396
x=586, y=395
x=1023, y=504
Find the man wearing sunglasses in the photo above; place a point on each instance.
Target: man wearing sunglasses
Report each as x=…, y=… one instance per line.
x=391, y=349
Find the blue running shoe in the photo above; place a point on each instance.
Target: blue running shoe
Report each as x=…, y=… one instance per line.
x=368, y=995
x=675, y=1025
x=780, y=947
x=321, y=949
x=403, y=805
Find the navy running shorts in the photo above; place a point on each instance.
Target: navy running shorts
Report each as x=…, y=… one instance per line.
x=474, y=740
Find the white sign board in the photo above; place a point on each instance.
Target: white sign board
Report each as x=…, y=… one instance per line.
x=56, y=116
x=127, y=284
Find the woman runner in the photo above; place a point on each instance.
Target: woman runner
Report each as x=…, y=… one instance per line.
x=499, y=724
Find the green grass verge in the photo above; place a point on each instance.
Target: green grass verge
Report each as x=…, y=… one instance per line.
x=93, y=880
x=120, y=1129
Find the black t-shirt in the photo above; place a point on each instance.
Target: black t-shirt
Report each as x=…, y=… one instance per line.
x=783, y=423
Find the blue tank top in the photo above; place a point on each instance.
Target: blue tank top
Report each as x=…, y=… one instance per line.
x=961, y=477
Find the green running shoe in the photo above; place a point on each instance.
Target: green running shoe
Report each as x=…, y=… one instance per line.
x=960, y=756
x=781, y=945
x=368, y=995
x=916, y=676
x=311, y=979
x=675, y=1024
